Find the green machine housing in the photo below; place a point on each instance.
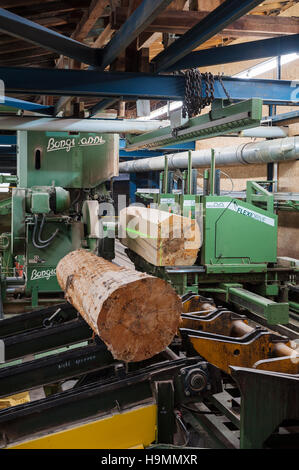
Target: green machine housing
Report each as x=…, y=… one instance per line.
x=238, y=259
x=55, y=206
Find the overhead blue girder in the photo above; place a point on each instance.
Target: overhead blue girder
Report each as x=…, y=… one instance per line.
x=66, y=82
x=139, y=154
x=143, y=16
x=22, y=28
x=27, y=105
x=130, y=86
x=145, y=153
x=216, y=21
x=8, y=139
x=283, y=118
x=102, y=105
x=238, y=52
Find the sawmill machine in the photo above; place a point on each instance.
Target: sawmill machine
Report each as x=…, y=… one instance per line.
x=238, y=260
x=90, y=400
x=61, y=182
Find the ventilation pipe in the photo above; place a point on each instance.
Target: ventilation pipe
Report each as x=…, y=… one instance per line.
x=268, y=151
x=112, y=126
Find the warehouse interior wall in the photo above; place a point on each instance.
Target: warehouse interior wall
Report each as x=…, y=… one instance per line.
x=288, y=172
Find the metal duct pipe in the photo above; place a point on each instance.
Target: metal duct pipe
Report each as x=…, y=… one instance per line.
x=276, y=150
x=266, y=132
x=32, y=123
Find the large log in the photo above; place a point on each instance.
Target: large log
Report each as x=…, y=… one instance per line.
x=161, y=238
x=135, y=314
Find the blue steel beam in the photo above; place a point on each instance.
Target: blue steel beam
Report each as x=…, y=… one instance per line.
x=169, y=148
x=6, y=139
x=27, y=106
x=283, y=119
x=238, y=52
x=130, y=30
x=102, y=105
x=130, y=86
x=216, y=21
x=66, y=82
x=34, y=33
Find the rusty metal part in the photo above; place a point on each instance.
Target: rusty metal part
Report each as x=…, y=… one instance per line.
x=219, y=321
x=225, y=339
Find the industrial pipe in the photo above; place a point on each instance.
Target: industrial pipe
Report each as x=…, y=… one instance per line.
x=267, y=151
x=112, y=126
x=265, y=132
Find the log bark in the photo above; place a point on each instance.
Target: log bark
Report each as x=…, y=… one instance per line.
x=135, y=314
x=161, y=238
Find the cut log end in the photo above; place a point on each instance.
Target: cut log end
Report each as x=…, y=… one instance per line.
x=135, y=314
x=140, y=319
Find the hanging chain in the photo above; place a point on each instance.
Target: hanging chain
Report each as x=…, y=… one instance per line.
x=196, y=84
x=224, y=89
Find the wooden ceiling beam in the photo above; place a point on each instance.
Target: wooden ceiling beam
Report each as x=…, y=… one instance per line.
x=104, y=37
x=179, y=22
x=146, y=39
x=89, y=19
x=9, y=4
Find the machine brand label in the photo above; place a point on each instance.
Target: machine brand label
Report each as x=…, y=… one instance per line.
x=167, y=201
x=189, y=202
x=67, y=144
x=233, y=206
x=43, y=274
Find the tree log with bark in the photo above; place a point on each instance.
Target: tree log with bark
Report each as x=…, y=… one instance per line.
x=135, y=314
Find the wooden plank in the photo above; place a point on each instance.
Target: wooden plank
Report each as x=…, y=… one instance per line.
x=89, y=19
x=145, y=40
x=104, y=37
x=179, y=22
x=161, y=238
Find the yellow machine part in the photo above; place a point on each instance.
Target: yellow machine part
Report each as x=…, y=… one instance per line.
x=14, y=400
x=131, y=429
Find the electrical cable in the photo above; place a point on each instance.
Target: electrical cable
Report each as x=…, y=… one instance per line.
x=233, y=186
x=35, y=244
x=183, y=427
x=45, y=242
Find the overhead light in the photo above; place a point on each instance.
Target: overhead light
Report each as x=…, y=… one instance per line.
x=266, y=66
x=163, y=110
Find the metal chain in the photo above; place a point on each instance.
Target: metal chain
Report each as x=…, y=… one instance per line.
x=194, y=100
x=196, y=84
x=224, y=89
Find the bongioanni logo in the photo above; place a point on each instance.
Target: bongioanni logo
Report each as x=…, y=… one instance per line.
x=44, y=274
x=67, y=144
